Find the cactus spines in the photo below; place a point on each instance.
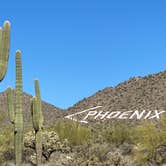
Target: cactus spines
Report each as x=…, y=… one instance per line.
x=37, y=119
x=4, y=48
x=16, y=115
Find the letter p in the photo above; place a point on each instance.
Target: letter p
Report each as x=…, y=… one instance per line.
x=90, y=113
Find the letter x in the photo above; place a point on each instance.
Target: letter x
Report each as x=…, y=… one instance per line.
x=157, y=114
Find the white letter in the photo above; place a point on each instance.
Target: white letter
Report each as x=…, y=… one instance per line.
x=138, y=115
x=156, y=114
x=148, y=114
x=110, y=116
x=90, y=113
x=102, y=115
x=124, y=115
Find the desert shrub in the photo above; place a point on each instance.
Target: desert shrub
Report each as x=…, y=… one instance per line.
x=50, y=144
x=10, y=163
x=118, y=133
x=150, y=140
x=126, y=148
x=117, y=159
x=6, y=144
x=98, y=151
x=73, y=131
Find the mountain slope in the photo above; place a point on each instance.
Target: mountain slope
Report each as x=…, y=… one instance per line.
x=140, y=93
x=50, y=112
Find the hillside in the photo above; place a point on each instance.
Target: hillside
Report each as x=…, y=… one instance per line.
x=50, y=112
x=138, y=93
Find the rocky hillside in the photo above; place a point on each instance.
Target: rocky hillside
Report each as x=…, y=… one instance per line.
x=138, y=93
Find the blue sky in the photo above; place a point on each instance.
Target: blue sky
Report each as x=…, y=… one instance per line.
x=78, y=47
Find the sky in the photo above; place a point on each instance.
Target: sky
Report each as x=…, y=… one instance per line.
x=78, y=47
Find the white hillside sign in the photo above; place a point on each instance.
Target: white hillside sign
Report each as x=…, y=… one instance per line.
x=96, y=114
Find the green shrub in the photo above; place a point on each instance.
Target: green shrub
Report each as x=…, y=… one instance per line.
x=151, y=137
x=73, y=131
x=118, y=133
x=99, y=151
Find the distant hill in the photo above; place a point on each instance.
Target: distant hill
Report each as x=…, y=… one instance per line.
x=50, y=112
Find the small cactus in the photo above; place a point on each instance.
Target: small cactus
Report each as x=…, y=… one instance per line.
x=15, y=114
x=4, y=48
x=37, y=119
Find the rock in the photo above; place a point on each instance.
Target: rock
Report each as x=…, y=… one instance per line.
x=61, y=159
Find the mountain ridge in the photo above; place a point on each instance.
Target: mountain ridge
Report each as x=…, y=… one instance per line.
x=137, y=93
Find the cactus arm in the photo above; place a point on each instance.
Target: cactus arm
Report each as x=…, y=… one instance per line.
x=37, y=93
x=6, y=38
x=35, y=113
x=1, y=44
x=10, y=105
x=4, y=48
x=1, y=33
x=18, y=112
x=37, y=89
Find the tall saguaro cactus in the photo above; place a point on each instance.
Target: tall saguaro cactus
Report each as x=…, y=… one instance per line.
x=15, y=114
x=4, y=48
x=18, y=112
x=37, y=119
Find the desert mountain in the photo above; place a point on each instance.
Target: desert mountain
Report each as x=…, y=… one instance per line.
x=138, y=93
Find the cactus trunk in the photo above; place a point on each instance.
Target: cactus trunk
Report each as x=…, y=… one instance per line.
x=11, y=111
x=15, y=113
x=37, y=119
x=18, y=112
x=38, y=140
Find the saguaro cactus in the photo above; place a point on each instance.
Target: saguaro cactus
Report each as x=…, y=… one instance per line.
x=4, y=48
x=37, y=119
x=16, y=115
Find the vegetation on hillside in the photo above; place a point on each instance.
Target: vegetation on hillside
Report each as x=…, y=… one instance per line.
x=116, y=144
